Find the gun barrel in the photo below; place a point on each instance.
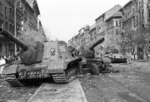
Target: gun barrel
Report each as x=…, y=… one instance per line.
x=96, y=43
x=12, y=38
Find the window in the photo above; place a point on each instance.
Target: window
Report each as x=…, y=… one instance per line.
x=10, y=27
x=0, y=47
x=6, y=25
x=26, y=15
x=10, y=12
x=116, y=23
x=13, y=27
x=99, y=28
x=1, y=23
x=149, y=15
x=117, y=32
x=11, y=1
x=1, y=8
x=134, y=21
x=5, y=11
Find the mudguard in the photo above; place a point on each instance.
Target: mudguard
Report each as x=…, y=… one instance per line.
x=10, y=69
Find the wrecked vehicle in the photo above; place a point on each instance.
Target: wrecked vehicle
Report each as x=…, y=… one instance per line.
x=89, y=60
x=40, y=61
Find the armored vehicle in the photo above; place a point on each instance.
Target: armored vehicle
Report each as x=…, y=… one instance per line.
x=89, y=60
x=116, y=57
x=40, y=61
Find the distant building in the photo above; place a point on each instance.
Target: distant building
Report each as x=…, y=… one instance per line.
x=82, y=38
x=102, y=28
x=33, y=10
x=99, y=29
x=31, y=17
x=92, y=33
x=113, y=31
x=100, y=25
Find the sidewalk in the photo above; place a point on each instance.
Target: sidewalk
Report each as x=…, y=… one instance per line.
x=140, y=60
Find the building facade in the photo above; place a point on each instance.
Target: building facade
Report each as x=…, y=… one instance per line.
x=14, y=14
x=113, y=32
x=92, y=33
x=103, y=24
x=122, y=27
x=82, y=38
x=134, y=20
x=8, y=13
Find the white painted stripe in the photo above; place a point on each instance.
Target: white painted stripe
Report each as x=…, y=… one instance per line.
x=71, y=92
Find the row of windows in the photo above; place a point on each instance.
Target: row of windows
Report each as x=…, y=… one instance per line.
x=9, y=27
x=9, y=12
x=11, y=1
x=128, y=13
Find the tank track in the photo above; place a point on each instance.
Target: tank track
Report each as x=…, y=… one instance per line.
x=13, y=81
x=63, y=78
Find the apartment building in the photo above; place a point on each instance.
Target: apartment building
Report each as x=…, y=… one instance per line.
x=7, y=21
x=135, y=19
x=14, y=14
x=113, y=32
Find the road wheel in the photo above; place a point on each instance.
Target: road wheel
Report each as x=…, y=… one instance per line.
x=94, y=69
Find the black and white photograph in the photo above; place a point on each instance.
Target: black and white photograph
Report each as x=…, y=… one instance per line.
x=74, y=51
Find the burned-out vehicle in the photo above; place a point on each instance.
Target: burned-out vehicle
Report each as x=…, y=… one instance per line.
x=96, y=65
x=40, y=61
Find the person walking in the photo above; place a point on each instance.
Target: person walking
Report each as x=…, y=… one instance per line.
x=2, y=62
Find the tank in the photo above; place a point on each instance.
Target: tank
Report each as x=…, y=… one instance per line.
x=40, y=62
x=96, y=65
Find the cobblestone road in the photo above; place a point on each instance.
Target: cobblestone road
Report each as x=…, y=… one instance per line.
x=131, y=84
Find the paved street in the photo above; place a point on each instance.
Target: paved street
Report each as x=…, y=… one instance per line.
x=48, y=42
x=12, y=94
x=130, y=84
x=71, y=92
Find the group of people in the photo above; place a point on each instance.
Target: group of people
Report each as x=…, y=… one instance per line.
x=2, y=63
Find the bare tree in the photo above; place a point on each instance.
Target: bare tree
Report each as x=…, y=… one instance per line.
x=142, y=39
x=128, y=44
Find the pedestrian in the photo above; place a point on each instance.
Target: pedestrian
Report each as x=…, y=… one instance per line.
x=2, y=62
x=129, y=57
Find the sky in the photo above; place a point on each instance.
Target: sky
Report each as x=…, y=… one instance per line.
x=62, y=19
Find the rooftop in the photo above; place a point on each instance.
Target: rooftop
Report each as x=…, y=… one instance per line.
x=33, y=4
x=110, y=12
x=116, y=15
x=93, y=26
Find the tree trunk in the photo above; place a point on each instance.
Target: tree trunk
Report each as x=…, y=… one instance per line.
x=146, y=52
